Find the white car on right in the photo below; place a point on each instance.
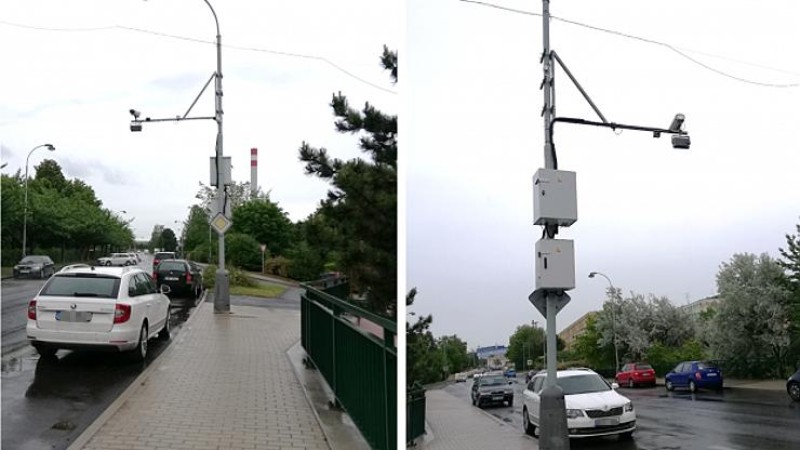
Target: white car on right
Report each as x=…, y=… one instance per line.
x=594, y=407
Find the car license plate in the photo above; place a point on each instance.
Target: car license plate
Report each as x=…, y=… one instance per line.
x=606, y=422
x=711, y=374
x=171, y=278
x=73, y=316
x=497, y=398
x=24, y=271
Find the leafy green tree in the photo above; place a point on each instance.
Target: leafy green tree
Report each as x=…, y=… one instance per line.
x=454, y=352
x=155, y=238
x=196, y=232
x=49, y=174
x=790, y=262
x=752, y=324
x=266, y=222
x=242, y=250
x=169, y=240
x=525, y=343
x=423, y=359
x=362, y=203
x=590, y=346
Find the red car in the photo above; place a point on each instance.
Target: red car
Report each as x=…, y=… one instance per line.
x=636, y=374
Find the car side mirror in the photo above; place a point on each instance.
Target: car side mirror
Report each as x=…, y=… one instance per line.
x=165, y=289
x=614, y=386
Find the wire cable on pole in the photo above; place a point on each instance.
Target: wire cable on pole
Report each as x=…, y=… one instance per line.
x=203, y=41
x=679, y=51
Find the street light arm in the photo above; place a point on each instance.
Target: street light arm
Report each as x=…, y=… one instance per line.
x=216, y=22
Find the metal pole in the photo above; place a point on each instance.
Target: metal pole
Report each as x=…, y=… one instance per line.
x=25, y=208
x=552, y=410
x=222, y=300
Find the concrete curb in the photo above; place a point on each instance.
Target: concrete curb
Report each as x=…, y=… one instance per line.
x=104, y=417
x=308, y=397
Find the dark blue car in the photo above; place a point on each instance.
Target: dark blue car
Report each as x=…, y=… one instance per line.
x=694, y=375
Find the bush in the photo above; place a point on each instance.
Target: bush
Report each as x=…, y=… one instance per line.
x=242, y=250
x=279, y=266
x=236, y=277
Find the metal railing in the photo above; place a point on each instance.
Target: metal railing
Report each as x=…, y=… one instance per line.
x=360, y=367
x=415, y=413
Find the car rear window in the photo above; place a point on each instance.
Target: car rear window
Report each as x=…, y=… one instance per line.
x=493, y=381
x=706, y=365
x=82, y=285
x=643, y=367
x=172, y=265
x=164, y=256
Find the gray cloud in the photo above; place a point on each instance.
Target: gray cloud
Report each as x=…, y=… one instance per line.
x=93, y=169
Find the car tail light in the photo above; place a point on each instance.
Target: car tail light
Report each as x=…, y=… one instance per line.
x=122, y=313
x=155, y=262
x=155, y=275
x=697, y=375
x=188, y=277
x=32, y=310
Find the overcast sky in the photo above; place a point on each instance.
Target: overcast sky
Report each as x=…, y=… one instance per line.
x=74, y=89
x=654, y=219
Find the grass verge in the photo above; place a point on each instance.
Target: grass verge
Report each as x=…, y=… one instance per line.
x=261, y=290
x=7, y=272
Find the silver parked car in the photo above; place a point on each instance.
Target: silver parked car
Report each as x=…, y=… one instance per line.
x=118, y=259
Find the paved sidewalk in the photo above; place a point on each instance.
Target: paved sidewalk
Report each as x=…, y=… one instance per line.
x=455, y=425
x=225, y=383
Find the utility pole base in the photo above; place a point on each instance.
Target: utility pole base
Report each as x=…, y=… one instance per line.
x=222, y=296
x=553, y=420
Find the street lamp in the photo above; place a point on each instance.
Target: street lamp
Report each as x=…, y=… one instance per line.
x=25, y=215
x=613, y=315
x=222, y=300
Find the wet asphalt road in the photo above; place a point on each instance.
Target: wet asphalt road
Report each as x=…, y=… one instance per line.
x=46, y=404
x=737, y=419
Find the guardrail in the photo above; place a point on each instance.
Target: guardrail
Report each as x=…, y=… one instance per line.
x=358, y=365
x=415, y=413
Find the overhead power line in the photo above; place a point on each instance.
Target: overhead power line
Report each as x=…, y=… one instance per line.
x=678, y=50
x=202, y=41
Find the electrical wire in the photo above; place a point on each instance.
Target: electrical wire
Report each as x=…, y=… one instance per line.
x=203, y=41
x=679, y=51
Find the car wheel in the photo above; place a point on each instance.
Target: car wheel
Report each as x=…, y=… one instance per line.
x=530, y=429
x=473, y=402
x=669, y=385
x=140, y=352
x=41, y=274
x=165, y=332
x=511, y=402
x=46, y=351
x=627, y=436
x=692, y=387
x=794, y=391
x=630, y=383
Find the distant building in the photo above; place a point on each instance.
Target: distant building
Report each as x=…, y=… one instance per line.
x=575, y=329
x=697, y=307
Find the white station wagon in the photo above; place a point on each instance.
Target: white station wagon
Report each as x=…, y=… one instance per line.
x=594, y=408
x=98, y=308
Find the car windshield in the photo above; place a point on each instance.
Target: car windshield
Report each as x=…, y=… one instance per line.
x=172, y=265
x=643, y=367
x=583, y=384
x=32, y=260
x=82, y=285
x=493, y=381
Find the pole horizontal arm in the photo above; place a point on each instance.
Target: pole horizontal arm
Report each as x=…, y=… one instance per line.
x=176, y=119
x=613, y=125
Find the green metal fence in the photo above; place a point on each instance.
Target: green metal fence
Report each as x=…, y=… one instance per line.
x=360, y=367
x=415, y=413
